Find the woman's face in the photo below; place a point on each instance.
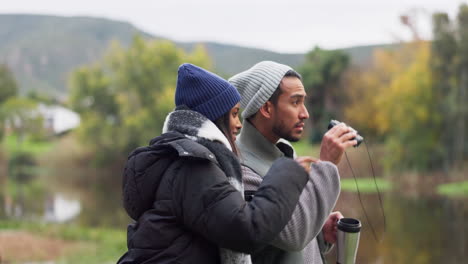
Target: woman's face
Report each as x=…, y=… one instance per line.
x=234, y=122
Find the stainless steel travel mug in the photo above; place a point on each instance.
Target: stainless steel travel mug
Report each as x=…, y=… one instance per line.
x=347, y=240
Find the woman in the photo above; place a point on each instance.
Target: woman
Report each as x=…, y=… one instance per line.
x=184, y=190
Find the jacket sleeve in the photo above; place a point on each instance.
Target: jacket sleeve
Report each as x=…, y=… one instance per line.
x=316, y=202
x=208, y=205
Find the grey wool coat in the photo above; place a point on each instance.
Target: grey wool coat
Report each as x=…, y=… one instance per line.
x=301, y=240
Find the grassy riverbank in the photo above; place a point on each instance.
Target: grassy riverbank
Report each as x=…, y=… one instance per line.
x=62, y=243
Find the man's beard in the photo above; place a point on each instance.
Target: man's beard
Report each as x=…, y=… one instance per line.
x=281, y=131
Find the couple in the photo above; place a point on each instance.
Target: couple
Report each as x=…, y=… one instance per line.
x=185, y=190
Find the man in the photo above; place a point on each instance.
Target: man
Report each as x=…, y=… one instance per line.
x=273, y=99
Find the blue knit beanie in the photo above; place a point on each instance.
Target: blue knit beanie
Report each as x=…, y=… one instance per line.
x=204, y=92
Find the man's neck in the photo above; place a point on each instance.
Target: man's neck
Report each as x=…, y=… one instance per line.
x=265, y=130
x=256, y=151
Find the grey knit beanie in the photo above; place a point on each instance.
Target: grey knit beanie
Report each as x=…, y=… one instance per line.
x=257, y=84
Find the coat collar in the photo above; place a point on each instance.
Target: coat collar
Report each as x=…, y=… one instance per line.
x=256, y=152
x=194, y=125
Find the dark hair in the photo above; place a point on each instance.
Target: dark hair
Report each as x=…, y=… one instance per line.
x=274, y=97
x=223, y=124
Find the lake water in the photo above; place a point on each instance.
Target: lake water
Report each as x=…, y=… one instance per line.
x=419, y=228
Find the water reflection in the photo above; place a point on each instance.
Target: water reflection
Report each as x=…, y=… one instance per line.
x=419, y=230
x=99, y=193
x=88, y=197
x=37, y=205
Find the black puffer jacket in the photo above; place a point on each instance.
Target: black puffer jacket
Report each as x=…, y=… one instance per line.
x=185, y=209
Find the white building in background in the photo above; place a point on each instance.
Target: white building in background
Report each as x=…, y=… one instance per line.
x=58, y=119
x=59, y=209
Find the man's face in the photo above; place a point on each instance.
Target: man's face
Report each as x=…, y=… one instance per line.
x=290, y=112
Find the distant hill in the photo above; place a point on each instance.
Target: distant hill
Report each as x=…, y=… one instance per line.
x=362, y=55
x=231, y=59
x=43, y=50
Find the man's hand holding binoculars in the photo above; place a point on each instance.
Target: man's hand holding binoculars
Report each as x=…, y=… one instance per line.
x=336, y=141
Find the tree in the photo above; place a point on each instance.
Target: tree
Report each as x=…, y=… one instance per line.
x=461, y=126
x=8, y=89
x=449, y=70
x=8, y=86
x=405, y=110
x=322, y=74
x=444, y=79
x=394, y=100
x=124, y=98
x=363, y=85
x=412, y=96
x=22, y=118
x=42, y=98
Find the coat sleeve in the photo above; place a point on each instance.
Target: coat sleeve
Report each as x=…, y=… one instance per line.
x=208, y=205
x=316, y=202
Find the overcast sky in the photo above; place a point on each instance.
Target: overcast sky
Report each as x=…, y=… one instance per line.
x=283, y=26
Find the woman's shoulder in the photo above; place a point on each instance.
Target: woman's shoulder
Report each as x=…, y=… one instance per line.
x=191, y=149
x=176, y=144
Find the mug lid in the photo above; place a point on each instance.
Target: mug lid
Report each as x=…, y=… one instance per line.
x=350, y=225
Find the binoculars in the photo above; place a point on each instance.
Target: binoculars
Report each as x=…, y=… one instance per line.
x=358, y=137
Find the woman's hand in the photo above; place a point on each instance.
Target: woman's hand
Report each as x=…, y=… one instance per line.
x=305, y=162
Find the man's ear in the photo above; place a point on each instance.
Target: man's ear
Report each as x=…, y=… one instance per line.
x=266, y=109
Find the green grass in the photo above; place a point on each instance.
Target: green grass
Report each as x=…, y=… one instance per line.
x=10, y=145
x=101, y=245
x=366, y=185
x=454, y=189
x=304, y=148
